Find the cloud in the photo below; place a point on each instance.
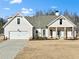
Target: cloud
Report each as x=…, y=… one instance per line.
x=27, y=10
x=6, y=8
x=54, y=7
x=15, y=1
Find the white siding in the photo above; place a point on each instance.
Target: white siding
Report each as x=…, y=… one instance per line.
x=69, y=34
x=65, y=23
x=54, y=34
x=47, y=32
x=62, y=34
x=39, y=32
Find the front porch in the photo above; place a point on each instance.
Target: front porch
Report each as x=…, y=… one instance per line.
x=62, y=32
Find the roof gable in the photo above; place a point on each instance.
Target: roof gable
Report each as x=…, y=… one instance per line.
x=66, y=22
x=12, y=18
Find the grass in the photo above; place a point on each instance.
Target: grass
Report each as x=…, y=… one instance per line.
x=50, y=49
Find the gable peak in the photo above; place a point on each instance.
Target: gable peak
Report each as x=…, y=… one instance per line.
x=18, y=14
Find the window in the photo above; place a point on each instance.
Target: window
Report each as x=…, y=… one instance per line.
x=51, y=33
x=43, y=32
x=58, y=33
x=36, y=33
x=18, y=20
x=60, y=21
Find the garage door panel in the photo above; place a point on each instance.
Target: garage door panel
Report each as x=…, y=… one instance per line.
x=19, y=35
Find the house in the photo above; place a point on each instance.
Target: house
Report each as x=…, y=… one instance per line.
x=24, y=27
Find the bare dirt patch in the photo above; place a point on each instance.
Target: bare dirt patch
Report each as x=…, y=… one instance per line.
x=50, y=49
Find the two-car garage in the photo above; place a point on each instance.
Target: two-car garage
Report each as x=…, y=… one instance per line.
x=19, y=35
x=18, y=27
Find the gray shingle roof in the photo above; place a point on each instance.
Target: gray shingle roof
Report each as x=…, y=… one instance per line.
x=40, y=21
x=71, y=19
x=43, y=21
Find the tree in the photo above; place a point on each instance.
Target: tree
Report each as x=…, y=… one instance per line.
x=76, y=18
x=1, y=24
x=66, y=13
x=50, y=12
x=39, y=13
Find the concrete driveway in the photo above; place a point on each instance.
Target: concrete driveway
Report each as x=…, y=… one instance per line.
x=10, y=48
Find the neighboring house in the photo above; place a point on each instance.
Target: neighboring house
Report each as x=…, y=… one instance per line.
x=24, y=27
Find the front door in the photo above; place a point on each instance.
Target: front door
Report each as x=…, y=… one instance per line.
x=60, y=34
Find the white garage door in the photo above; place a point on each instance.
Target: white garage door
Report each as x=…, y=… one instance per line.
x=19, y=35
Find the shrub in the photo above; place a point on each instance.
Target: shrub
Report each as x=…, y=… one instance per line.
x=39, y=38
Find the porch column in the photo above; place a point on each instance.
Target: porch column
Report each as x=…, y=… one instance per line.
x=56, y=33
x=48, y=33
x=73, y=32
x=65, y=33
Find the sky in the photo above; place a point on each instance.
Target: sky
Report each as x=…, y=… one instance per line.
x=29, y=7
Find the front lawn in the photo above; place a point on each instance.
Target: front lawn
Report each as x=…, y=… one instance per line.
x=50, y=49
